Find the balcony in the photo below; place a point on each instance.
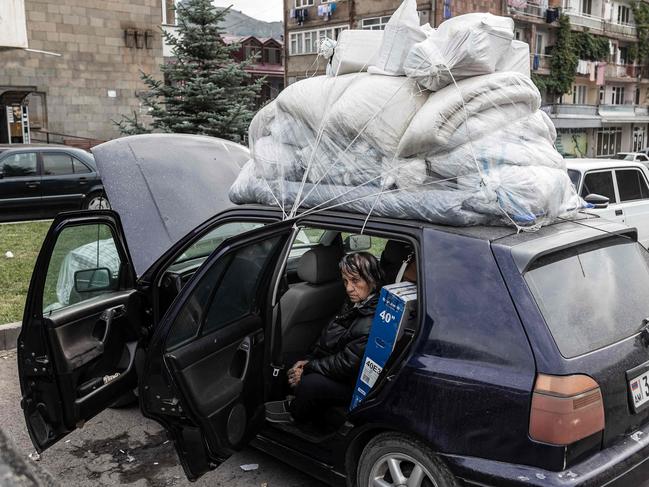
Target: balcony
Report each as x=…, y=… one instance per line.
x=627, y=113
x=593, y=22
x=576, y=111
x=626, y=72
x=527, y=9
x=540, y=63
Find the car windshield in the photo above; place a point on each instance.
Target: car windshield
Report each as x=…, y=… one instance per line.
x=592, y=295
x=574, y=177
x=621, y=156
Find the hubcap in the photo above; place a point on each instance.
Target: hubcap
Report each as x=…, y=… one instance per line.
x=400, y=470
x=98, y=203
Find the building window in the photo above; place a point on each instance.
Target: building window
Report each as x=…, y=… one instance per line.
x=623, y=14
x=538, y=49
x=303, y=3
x=601, y=95
x=374, y=23
x=609, y=141
x=272, y=55
x=579, y=94
x=252, y=52
x=587, y=7
x=306, y=42
x=617, y=95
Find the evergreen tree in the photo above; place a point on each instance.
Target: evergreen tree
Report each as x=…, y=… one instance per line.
x=206, y=91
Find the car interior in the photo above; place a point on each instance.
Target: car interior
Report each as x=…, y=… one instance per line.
x=313, y=293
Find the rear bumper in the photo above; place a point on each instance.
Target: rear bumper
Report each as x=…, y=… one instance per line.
x=625, y=464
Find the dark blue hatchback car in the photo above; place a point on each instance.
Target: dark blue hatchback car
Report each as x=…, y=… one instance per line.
x=529, y=364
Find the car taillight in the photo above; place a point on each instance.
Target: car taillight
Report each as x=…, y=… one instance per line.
x=565, y=409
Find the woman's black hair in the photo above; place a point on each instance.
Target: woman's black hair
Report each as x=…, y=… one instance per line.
x=364, y=265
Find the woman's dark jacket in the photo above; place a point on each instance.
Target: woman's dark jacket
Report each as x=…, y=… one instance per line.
x=338, y=352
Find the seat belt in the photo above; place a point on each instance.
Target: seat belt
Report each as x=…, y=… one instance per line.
x=403, y=268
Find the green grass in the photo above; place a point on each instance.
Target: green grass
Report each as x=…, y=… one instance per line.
x=24, y=240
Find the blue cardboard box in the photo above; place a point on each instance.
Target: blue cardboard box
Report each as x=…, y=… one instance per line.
x=396, y=309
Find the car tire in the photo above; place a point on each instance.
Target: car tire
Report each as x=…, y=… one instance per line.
x=397, y=459
x=96, y=201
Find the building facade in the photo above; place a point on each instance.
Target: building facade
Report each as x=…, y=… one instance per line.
x=81, y=68
x=606, y=111
x=269, y=62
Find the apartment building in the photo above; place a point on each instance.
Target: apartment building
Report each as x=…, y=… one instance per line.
x=605, y=113
x=71, y=67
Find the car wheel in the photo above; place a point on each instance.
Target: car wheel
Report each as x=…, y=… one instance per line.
x=96, y=201
x=392, y=459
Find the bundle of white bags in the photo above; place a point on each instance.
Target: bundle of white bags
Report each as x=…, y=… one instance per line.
x=438, y=125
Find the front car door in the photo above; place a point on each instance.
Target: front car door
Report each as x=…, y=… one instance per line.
x=63, y=188
x=80, y=329
x=602, y=182
x=633, y=192
x=20, y=186
x=204, y=373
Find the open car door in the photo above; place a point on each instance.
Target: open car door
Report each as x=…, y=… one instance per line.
x=208, y=359
x=77, y=346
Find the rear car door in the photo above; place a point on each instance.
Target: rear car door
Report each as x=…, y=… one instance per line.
x=20, y=186
x=634, y=200
x=204, y=372
x=603, y=184
x=80, y=329
x=62, y=188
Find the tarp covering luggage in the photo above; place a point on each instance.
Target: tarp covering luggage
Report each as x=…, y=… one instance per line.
x=459, y=140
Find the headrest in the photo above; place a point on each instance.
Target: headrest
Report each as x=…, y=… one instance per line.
x=392, y=257
x=320, y=265
x=395, y=252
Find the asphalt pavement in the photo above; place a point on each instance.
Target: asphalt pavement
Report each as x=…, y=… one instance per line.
x=120, y=447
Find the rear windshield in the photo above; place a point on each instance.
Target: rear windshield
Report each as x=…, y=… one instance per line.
x=593, y=295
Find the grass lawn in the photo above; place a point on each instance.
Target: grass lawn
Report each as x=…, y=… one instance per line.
x=24, y=240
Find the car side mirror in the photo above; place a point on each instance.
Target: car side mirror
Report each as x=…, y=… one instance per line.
x=358, y=243
x=597, y=200
x=92, y=280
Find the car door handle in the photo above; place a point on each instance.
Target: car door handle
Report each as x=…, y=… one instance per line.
x=32, y=184
x=82, y=181
x=619, y=213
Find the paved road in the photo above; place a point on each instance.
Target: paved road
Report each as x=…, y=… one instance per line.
x=121, y=447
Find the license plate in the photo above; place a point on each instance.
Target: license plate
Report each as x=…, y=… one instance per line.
x=639, y=389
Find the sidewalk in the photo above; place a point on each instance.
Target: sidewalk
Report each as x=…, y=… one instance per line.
x=9, y=335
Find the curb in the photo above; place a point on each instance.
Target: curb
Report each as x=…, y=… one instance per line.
x=9, y=335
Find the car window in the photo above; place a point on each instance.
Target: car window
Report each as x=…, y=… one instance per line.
x=592, y=296
x=574, y=177
x=631, y=185
x=600, y=183
x=205, y=245
x=57, y=164
x=78, y=251
x=629, y=157
x=226, y=292
x=23, y=164
x=643, y=158
x=79, y=167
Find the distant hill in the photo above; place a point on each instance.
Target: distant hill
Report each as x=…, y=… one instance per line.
x=240, y=24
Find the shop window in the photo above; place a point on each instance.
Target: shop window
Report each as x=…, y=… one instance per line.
x=609, y=141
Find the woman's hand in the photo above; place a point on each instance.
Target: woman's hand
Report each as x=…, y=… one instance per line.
x=295, y=373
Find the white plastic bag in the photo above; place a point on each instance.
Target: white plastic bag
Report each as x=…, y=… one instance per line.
x=465, y=46
x=516, y=59
x=401, y=33
x=355, y=51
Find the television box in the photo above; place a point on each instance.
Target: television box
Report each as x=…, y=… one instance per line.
x=397, y=310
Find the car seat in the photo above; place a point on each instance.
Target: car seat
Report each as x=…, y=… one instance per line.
x=393, y=256
x=308, y=306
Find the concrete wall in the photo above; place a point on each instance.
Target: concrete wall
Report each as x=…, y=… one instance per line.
x=95, y=60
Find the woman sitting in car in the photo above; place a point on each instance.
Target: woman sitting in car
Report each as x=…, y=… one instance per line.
x=326, y=377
